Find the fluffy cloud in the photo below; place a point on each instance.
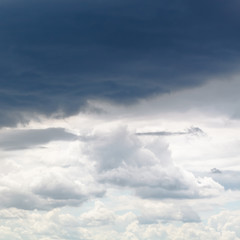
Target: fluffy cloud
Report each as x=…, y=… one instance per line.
x=109, y=158
x=123, y=160
x=46, y=178
x=98, y=216
x=65, y=185
x=40, y=225
x=56, y=224
x=47, y=189
x=228, y=222
x=169, y=200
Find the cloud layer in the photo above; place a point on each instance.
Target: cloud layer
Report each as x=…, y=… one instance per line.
x=113, y=158
x=23, y=225
x=20, y=139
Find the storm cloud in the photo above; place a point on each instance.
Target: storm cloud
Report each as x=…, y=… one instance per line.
x=56, y=54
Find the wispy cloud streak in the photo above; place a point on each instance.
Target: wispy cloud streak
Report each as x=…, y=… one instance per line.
x=191, y=131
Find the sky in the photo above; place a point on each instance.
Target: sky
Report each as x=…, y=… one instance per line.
x=119, y=120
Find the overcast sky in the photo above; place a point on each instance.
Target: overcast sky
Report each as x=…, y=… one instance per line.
x=119, y=120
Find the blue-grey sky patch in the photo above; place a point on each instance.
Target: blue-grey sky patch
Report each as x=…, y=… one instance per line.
x=179, y=213
x=230, y=180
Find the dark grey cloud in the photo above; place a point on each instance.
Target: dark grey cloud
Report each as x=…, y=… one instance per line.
x=21, y=139
x=191, y=131
x=215, y=170
x=57, y=54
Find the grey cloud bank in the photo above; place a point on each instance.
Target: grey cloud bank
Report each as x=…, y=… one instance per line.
x=56, y=54
x=21, y=139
